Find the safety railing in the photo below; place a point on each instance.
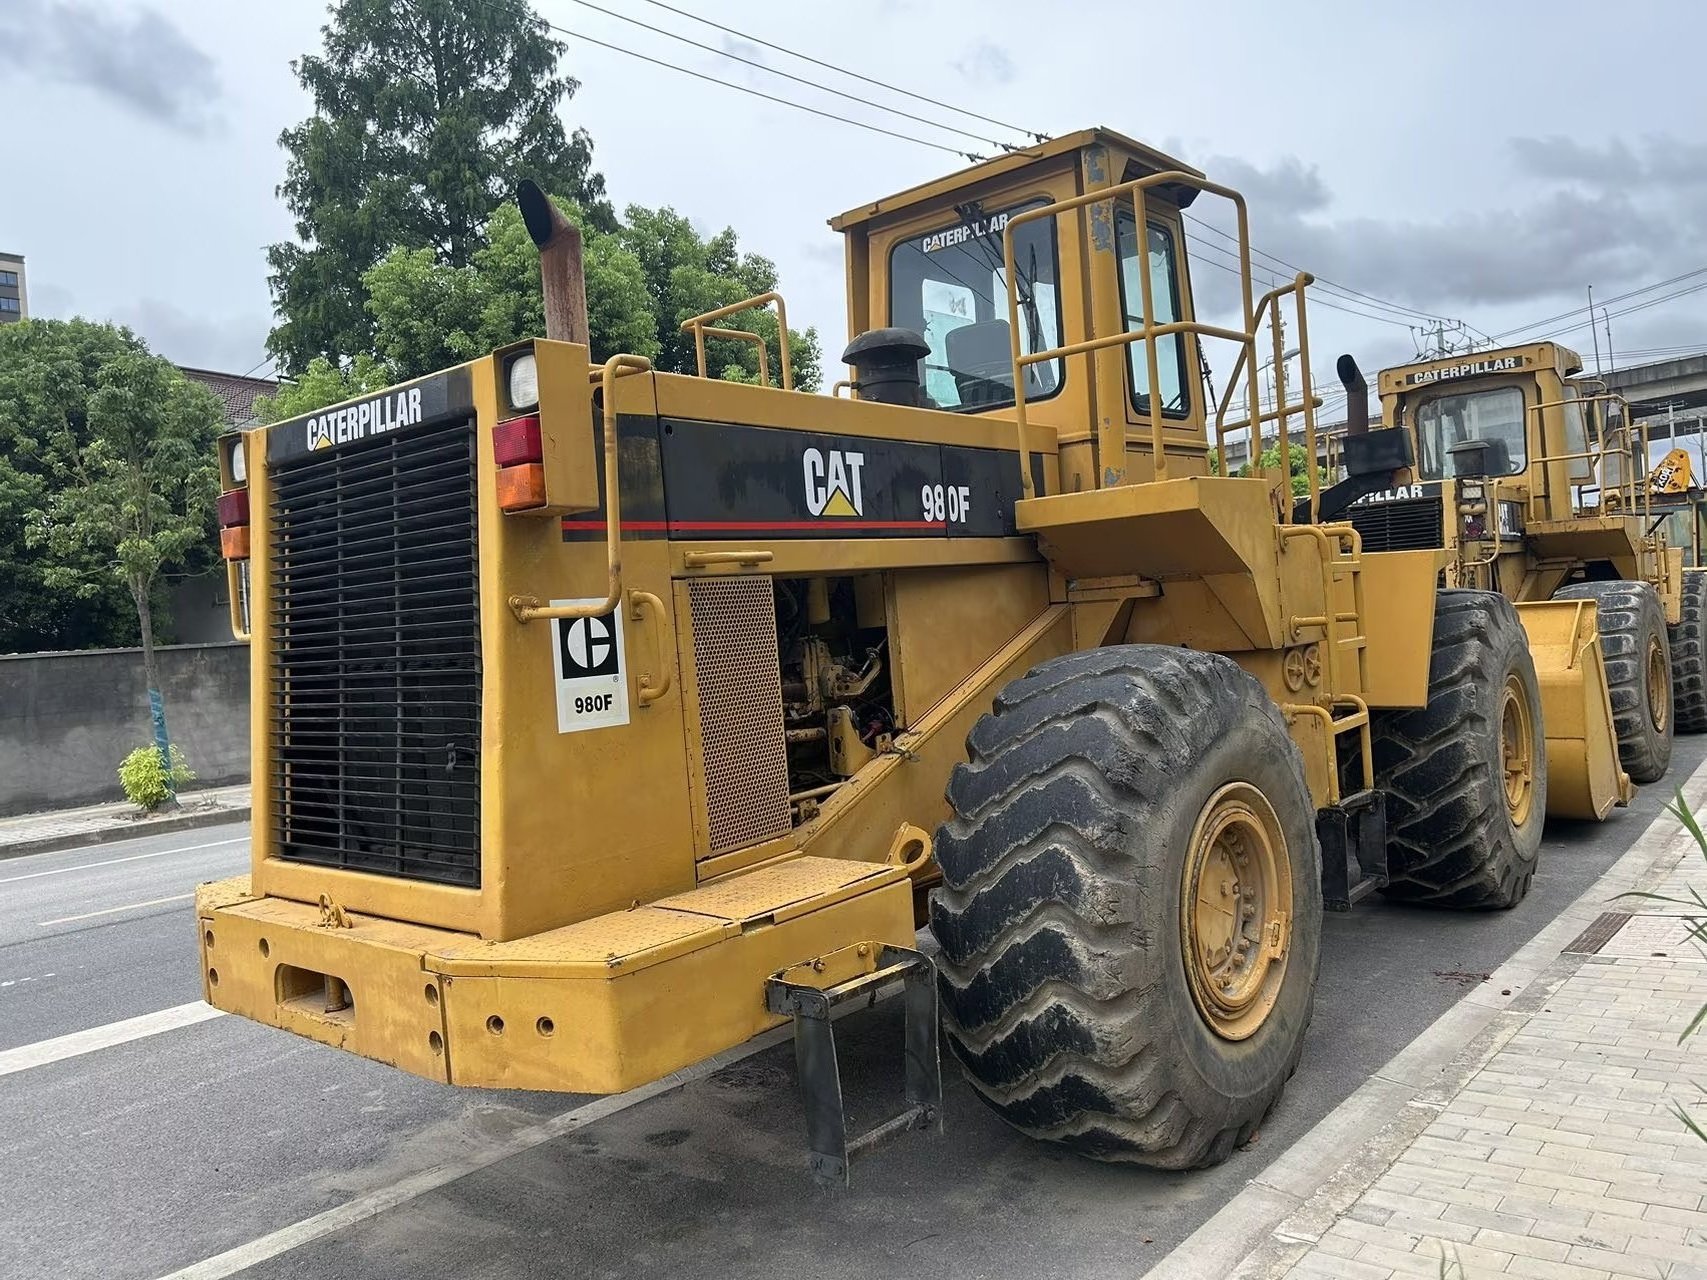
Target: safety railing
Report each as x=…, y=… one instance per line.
x=1112, y=434
x=527, y=608
x=1283, y=409
x=1620, y=446
x=701, y=328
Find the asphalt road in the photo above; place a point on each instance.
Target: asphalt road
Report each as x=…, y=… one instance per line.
x=145, y=1157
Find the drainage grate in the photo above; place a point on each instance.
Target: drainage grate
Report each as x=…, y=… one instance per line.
x=1599, y=933
x=375, y=627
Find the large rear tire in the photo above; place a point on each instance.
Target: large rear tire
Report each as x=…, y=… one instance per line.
x=1638, y=671
x=1131, y=910
x=1465, y=775
x=1688, y=675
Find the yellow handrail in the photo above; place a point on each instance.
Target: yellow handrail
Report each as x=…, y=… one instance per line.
x=1632, y=490
x=696, y=325
x=527, y=608
x=1112, y=469
x=1282, y=410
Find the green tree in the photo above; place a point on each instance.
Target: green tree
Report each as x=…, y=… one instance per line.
x=49, y=370
x=427, y=113
x=1299, y=468
x=688, y=276
x=428, y=314
x=320, y=384
x=139, y=481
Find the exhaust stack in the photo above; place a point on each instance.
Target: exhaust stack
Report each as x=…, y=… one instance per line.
x=1357, y=396
x=562, y=276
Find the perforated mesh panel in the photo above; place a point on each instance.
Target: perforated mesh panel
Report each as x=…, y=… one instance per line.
x=740, y=709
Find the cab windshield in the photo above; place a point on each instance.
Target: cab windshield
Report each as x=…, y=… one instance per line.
x=950, y=286
x=1494, y=416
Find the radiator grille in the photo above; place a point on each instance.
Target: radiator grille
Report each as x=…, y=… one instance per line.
x=740, y=709
x=375, y=690
x=1411, y=524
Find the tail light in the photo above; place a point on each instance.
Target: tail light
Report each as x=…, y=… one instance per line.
x=519, y=452
x=233, y=506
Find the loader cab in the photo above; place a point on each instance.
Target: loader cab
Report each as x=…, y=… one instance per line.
x=1515, y=415
x=931, y=260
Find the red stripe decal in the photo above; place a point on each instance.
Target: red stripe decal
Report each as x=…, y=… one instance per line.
x=718, y=526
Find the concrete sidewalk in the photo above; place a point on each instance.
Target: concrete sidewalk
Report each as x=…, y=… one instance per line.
x=1529, y=1132
x=100, y=823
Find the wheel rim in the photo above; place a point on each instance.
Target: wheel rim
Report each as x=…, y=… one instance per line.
x=1236, y=911
x=1659, y=688
x=1517, y=750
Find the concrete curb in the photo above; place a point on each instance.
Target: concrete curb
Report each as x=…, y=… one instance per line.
x=1287, y=1207
x=136, y=830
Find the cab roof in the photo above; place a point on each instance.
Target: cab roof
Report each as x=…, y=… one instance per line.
x=1153, y=161
x=1524, y=356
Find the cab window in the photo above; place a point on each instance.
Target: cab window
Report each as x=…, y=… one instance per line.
x=951, y=285
x=1159, y=259
x=1576, y=438
x=1495, y=415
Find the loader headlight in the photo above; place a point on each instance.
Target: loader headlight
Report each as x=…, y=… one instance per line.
x=523, y=381
x=239, y=464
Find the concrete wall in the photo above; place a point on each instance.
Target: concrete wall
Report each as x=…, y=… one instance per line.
x=67, y=719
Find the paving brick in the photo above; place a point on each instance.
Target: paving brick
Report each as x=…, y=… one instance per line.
x=1527, y=1246
x=1480, y=1216
x=1544, y=1269
x=1399, y=1261
x=1621, y=1264
x=1564, y=1181
x=1339, y=1268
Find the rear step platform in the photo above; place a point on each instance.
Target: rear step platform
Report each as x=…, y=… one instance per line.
x=807, y=992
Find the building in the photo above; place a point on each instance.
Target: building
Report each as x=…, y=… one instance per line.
x=236, y=391
x=14, y=299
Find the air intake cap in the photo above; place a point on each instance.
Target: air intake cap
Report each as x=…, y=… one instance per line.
x=886, y=365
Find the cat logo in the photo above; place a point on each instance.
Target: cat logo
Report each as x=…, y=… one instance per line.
x=833, y=482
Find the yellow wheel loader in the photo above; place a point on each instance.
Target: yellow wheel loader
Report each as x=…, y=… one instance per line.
x=1533, y=483
x=605, y=718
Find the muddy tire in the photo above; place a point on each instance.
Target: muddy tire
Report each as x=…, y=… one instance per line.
x=1465, y=776
x=1638, y=671
x=1688, y=674
x=1097, y=782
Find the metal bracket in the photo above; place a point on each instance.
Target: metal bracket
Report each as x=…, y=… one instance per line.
x=1353, y=834
x=790, y=992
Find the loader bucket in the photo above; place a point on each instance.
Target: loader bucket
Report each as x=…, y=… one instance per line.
x=1584, y=779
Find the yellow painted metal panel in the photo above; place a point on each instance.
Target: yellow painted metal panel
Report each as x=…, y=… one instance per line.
x=1584, y=779
x=620, y=1032
x=944, y=622
x=264, y=959
x=783, y=891
x=1398, y=588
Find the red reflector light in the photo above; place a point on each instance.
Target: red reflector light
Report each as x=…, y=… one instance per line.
x=517, y=441
x=233, y=508
x=234, y=542
x=521, y=488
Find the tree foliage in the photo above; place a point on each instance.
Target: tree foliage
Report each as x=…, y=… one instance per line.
x=135, y=482
x=1299, y=468
x=643, y=280
x=427, y=113
x=59, y=591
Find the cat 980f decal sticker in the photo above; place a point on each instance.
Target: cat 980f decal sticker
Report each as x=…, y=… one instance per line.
x=588, y=658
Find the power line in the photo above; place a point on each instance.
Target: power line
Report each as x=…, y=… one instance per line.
x=1576, y=311
x=1320, y=301
x=768, y=97
x=1626, y=311
x=1322, y=280
x=828, y=66
x=811, y=84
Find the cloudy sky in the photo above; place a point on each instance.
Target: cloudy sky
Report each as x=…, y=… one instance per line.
x=1466, y=160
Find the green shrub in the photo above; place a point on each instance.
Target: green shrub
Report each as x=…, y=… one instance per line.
x=144, y=778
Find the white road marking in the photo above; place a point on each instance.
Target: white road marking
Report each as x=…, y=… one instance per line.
x=113, y=862
x=129, y=906
x=385, y=1199
x=43, y=1052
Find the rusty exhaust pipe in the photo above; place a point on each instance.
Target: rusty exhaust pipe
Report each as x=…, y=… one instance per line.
x=1356, y=396
x=562, y=276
